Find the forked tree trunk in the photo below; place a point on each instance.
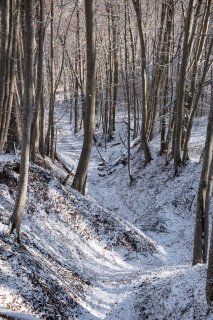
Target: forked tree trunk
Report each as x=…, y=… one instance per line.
x=17, y=215
x=181, y=84
x=201, y=44
x=158, y=66
x=196, y=98
x=79, y=181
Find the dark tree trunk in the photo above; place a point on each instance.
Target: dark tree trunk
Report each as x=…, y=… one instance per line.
x=79, y=181
x=39, y=81
x=17, y=215
x=144, y=143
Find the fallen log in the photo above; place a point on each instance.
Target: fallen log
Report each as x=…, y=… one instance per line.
x=62, y=163
x=65, y=167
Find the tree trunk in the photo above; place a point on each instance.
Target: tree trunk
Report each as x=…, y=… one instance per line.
x=115, y=65
x=17, y=215
x=50, y=137
x=203, y=197
x=209, y=279
x=3, y=53
x=79, y=181
x=6, y=103
x=195, y=101
x=144, y=143
x=128, y=97
x=39, y=80
x=181, y=84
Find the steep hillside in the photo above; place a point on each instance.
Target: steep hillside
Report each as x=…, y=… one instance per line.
x=121, y=252
x=76, y=259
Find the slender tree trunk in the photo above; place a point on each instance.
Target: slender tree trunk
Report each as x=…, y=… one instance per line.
x=203, y=197
x=17, y=215
x=209, y=278
x=79, y=181
x=115, y=65
x=158, y=67
x=50, y=137
x=144, y=143
x=181, y=84
x=77, y=69
x=41, y=125
x=167, y=48
x=195, y=102
x=3, y=53
x=39, y=80
x=109, y=70
x=9, y=74
x=128, y=98
x=133, y=75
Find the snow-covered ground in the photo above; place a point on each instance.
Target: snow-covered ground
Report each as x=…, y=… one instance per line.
x=121, y=252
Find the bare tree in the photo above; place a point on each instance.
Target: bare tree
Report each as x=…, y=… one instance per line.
x=16, y=217
x=39, y=83
x=144, y=143
x=203, y=198
x=179, y=110
x=8, y=71
x=79, y=181
x=204, y=215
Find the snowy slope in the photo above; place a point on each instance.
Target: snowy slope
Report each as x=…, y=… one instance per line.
x=121, y=252
x=162, y=206
x=75, y=257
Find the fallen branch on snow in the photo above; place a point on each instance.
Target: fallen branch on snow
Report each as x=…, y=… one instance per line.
x=64, y=166
x=62, y=163
x=95, y=142
x=120, y=160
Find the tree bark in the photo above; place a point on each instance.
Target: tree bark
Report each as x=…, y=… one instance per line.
x=181, y=84
x=3, y=53
x=39, y=81
x=203, y=197
x=16, y=218
x=144, y=143
x=79, y=181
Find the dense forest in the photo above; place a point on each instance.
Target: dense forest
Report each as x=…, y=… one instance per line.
x=106, y=150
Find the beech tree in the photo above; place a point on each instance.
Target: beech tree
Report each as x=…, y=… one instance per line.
x=79, y=181
x=8, y=64
x=18, y=211
x=50, y=136
x=179, y=110
x=203, y=198
x=36, y=128
x=144, y=142
x=202, y=229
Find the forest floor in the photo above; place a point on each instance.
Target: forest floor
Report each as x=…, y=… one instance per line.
x=121, y=252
